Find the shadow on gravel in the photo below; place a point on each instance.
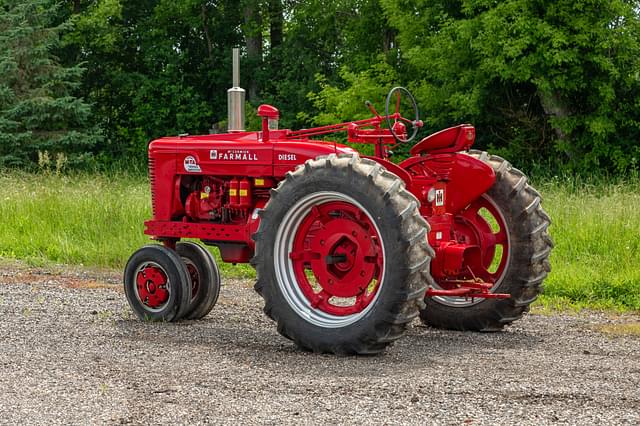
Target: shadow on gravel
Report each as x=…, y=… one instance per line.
x=260, y=345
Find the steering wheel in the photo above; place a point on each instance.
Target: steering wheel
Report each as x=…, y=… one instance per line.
x=415, y=124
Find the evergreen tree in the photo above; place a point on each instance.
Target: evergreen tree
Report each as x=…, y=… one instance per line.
x=39, y=115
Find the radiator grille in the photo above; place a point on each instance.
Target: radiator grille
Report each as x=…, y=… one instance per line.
x=152, y=182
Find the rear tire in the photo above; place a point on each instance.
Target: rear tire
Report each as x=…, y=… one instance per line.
x=204, y=277
x=326, y=201
x=527, y=264
x=157, y=284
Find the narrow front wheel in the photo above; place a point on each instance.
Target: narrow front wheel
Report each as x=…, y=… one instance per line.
x=156, y=284
x=205, y=279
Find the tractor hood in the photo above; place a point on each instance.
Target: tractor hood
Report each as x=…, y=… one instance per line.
x=240, y=153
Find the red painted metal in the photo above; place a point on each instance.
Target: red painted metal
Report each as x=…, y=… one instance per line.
x=212, y=188
x=473, y=228
x=464, y=178
x=468, y=264
x=453, y=139
x=337, y=258
x=450, y=188
x=467, y=292
x=268, y=113
x=152, y=286
x=203, y=231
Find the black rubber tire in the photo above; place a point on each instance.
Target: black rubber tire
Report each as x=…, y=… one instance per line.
x=528, y=265
x=208, y=275
x=178, y=280
x=402, y=230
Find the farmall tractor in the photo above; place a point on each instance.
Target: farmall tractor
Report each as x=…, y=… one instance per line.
x=348, y=248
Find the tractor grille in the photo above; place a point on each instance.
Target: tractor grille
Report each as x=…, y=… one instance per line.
x=152, y=181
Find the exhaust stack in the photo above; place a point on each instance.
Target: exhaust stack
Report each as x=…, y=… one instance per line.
x=235, y=98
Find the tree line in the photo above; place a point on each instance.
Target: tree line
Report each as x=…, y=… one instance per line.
x=88, y=83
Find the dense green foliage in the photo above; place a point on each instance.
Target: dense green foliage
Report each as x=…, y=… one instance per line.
x=551, y=82
x=40, y=118
x=97, y=220
x=538, y=77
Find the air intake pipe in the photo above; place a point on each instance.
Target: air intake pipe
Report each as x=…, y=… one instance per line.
x=235, y=98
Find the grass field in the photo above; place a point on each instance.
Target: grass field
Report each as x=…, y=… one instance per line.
x=596, y=230
x=96, y=221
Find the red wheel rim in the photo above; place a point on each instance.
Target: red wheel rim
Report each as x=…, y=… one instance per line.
x=194, y=275
x=152, y=286
x=337, y=258
x=481, y=224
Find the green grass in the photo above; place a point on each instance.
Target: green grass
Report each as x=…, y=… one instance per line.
x=89, y=220
x=97, y=221
x=596, y=230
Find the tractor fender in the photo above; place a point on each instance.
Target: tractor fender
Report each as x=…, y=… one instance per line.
x=393, y=168
x=463, y=177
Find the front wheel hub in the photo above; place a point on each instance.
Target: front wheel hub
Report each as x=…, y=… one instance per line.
x=151, y=285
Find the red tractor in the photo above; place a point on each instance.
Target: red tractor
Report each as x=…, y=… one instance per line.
x=348, y=248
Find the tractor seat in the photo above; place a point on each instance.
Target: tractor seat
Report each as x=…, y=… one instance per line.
x=453, y=139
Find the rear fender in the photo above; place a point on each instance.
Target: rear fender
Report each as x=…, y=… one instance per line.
x=469, y=179
x=393, y=168
x=461, y=177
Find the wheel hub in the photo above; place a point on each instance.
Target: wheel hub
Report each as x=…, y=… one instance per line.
x=475, y=229
x=481, y=226
x=152, y=286
x=336, y=258
x=345, y=244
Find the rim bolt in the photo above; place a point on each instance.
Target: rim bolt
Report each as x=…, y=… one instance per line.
x=362, y=273
x=321, y=242
x=330, y=281
x=354, y=233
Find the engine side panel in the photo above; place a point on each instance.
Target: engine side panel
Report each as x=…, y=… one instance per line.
x=211, y=187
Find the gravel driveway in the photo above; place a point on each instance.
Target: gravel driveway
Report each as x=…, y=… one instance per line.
x=72, y=352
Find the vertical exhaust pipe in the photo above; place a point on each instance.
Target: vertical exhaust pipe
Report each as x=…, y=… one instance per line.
x=235, y=98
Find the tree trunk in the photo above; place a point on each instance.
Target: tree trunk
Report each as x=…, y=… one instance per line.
x=253, y=36
x=207, y=35
x=554, y=107
x=388, y=40
x=275, y=23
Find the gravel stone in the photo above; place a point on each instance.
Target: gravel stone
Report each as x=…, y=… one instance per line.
x=72, y=352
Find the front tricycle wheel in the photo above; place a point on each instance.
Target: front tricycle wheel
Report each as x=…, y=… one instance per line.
x=157, y=284
x=340, y=256
x=204, y=277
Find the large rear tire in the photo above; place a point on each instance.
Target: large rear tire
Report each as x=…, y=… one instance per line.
x=524, y=264
x=342, y=256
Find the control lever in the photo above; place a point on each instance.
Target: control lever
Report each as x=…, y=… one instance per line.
x=371, y=108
